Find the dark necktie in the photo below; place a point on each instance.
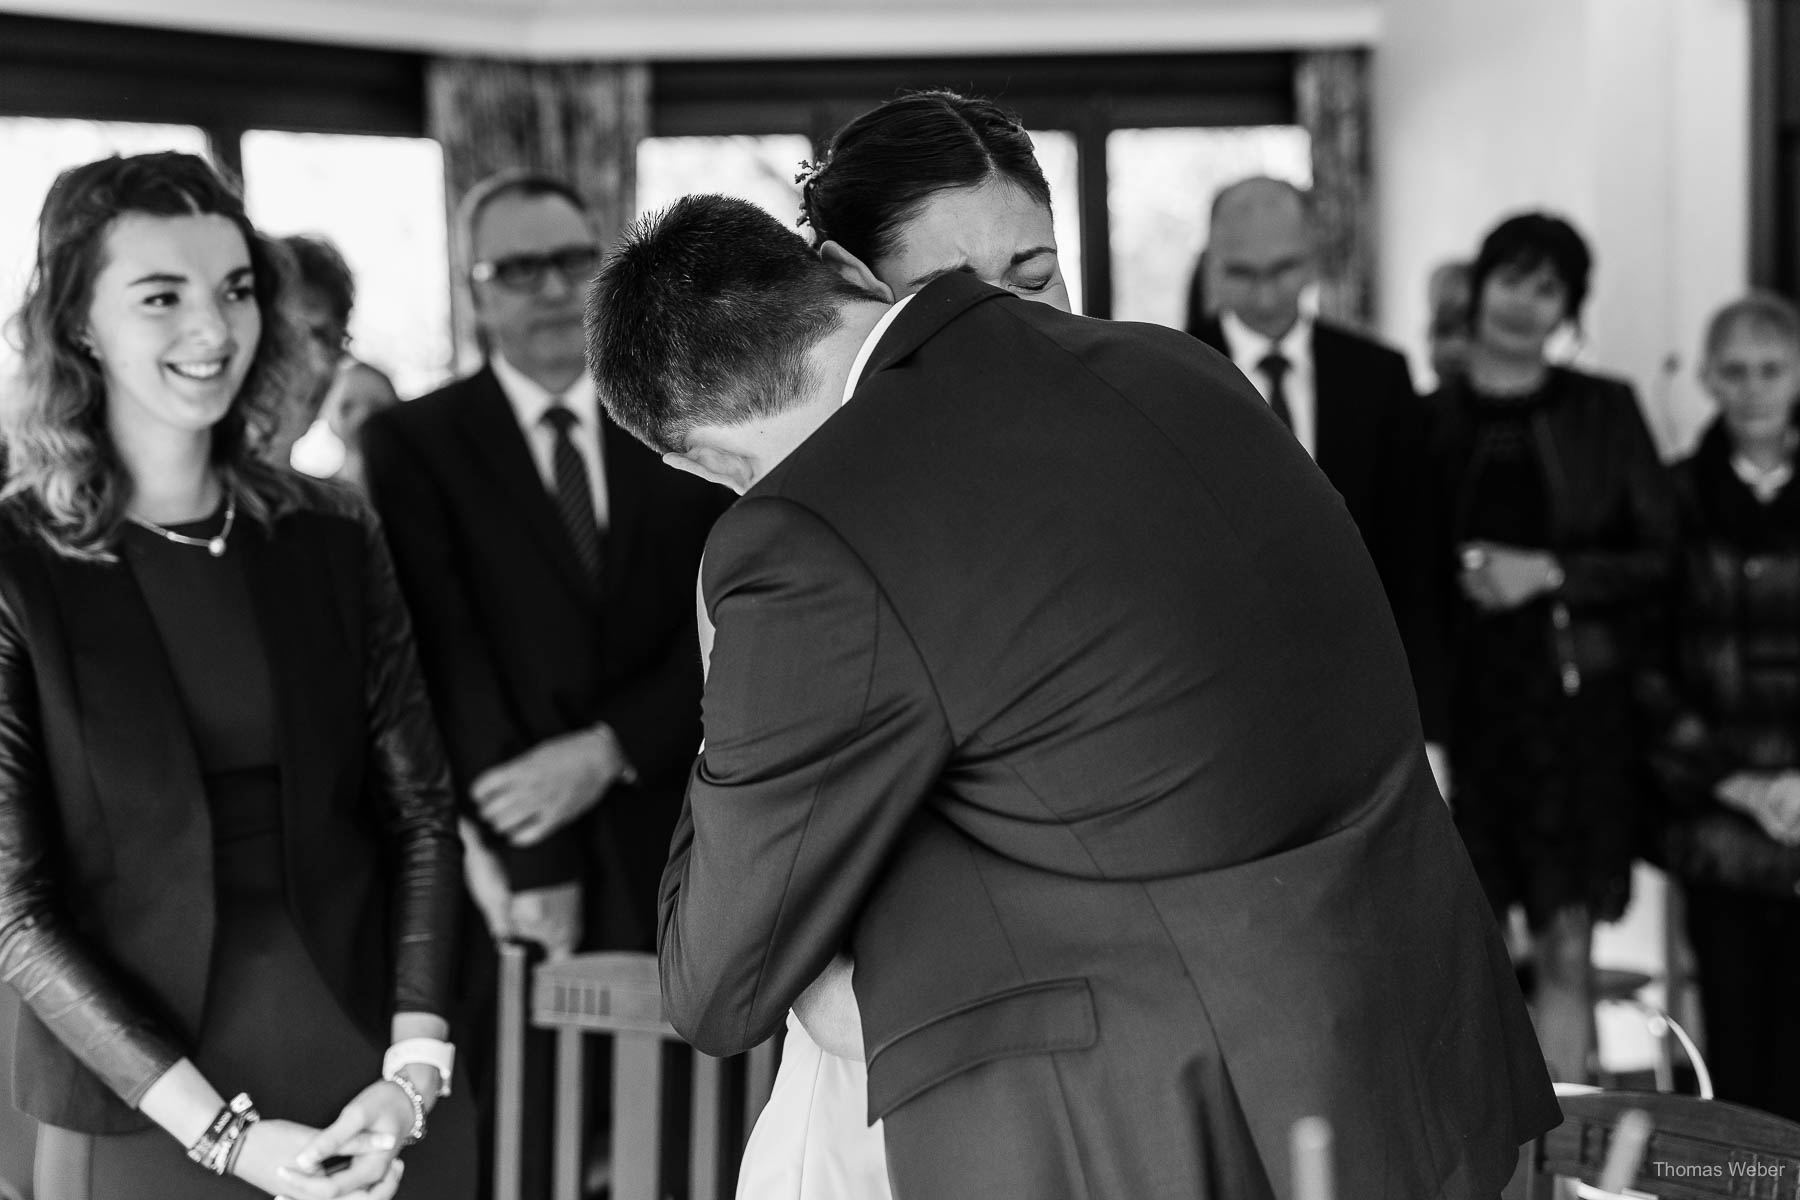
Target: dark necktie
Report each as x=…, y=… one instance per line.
x=1275, y=367
x=573, y=493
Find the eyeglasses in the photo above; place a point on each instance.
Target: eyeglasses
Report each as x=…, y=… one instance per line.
x=526, y=272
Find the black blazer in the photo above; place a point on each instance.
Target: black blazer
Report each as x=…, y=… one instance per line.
x=106, y=883
x=518, y=647
x=1052, y=678
x=1370, y=439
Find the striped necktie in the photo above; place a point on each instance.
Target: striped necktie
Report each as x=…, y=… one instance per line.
x=572, y=491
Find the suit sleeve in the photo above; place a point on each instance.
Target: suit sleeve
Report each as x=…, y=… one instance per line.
x=42, y=957
x=656, y=714
x=1638, y=565
x=460, y=673
x=823, y=735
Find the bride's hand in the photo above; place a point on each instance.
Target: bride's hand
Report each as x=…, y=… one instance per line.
x=827, y=1011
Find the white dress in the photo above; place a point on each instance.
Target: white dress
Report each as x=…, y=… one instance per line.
x=812, y=1140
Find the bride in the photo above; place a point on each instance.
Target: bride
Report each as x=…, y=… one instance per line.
x=926, y=184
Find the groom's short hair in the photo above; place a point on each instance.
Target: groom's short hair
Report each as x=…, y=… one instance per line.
x=704, y=315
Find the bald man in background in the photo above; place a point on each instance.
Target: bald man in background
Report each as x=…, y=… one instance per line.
x=1348, y=399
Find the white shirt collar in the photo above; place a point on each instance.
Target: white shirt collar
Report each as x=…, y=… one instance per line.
x=1766, y=485
x=868, y=347
x=1247, y=345
x=529, y=399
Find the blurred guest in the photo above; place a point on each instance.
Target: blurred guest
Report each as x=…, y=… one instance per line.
x=323, y=300
x=227, y=858
x=1729, y=760
x=1448, y=332
x=332, y=448
x=1200, y=294
x=1562, y=521
x=549, y=560
x=1349, y=401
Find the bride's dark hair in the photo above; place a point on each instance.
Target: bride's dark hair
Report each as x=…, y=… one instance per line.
x=885, y=163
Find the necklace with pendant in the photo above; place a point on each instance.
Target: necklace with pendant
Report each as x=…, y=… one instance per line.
x=214, y=545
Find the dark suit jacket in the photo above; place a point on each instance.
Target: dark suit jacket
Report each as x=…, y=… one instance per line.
x=106, y=856
x=1051, y=678
x=1371, y=435
x=518, y=647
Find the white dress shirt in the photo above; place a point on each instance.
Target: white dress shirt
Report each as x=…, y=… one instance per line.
x=868, y=348
x=529, y=400
x=1249, y=348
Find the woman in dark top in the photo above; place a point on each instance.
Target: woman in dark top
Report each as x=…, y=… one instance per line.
x=227, y=854
x=1560, y=528
x=1728, y=757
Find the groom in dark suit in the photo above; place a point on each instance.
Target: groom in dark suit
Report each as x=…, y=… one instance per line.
x=1052, y=682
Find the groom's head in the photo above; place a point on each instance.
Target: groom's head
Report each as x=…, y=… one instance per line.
x=713, y=332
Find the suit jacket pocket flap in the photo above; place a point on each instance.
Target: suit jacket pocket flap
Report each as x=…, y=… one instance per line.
x=1034, y=1019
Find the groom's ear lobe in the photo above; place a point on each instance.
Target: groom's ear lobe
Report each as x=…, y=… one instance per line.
x=726, y=470
x=854, y=271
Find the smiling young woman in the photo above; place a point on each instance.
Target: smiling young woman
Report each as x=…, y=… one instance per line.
x=227, y=851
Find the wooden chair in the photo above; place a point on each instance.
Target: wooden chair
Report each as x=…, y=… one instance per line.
x=618, y=995
x=1698, y=1149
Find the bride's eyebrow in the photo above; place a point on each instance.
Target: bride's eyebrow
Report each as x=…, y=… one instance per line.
x=963, y=264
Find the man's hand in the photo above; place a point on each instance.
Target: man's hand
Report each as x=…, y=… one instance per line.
x=1500, y=578
x=532, y=796
x=549, y=916
x=486, y=880
x=828, y=1012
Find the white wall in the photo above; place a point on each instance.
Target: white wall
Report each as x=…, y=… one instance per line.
x=1631, y=117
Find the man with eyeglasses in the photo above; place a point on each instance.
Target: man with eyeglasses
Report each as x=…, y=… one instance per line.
x=549, y=561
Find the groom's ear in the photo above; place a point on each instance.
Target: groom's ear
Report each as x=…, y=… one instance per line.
x=854, y=271
x=714, y=466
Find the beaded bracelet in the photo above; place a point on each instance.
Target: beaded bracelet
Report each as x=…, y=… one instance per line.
x=417, y=1133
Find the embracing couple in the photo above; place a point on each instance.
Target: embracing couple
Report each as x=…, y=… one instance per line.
x=1061, y=758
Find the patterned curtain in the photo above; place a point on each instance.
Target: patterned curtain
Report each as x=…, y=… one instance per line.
x=1332, y=98
x=580, y=122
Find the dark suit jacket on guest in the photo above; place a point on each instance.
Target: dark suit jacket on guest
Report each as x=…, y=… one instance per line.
x=1052, y=680
x=518, y=647
x=1370, y=439
x=106, y=851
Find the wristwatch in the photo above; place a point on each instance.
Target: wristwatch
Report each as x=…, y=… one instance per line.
x=424, y=1052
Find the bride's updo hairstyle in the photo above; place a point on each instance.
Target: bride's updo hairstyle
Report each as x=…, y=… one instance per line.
x=885, y=163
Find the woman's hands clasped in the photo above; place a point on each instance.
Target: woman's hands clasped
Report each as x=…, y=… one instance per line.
x=292, y=1161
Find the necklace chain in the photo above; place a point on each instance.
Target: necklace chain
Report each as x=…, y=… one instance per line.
x=214, y=545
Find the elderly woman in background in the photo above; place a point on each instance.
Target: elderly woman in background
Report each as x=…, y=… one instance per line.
x=1729, y=754
x=1559, y=529
x=228, y=860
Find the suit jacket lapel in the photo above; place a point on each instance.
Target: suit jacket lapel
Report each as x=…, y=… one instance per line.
x=140, y=748
x=1338, y=427
x=498, y=445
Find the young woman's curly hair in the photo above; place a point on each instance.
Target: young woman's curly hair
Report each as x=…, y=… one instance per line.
x=60, y=457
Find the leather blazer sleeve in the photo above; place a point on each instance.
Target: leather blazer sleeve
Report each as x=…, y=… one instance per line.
x=42, y=956
x=1633, y=569
x=412, y=784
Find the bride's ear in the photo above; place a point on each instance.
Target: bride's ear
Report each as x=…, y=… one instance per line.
x=854, y=271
